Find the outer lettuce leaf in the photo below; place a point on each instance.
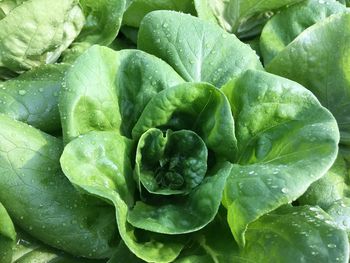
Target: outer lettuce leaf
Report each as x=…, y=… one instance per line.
x=99, y=163
x=331, y=193
x=340, y=212
x=103, y=20
x=126, y=81
x=286, y=141
x=284, y=27
x=329, y=188
x=42, y=201
x=37, y=32
x=230, y=14
x=139, y=8
x=7, y=236
x=315, y=60
x=296, y=234
x=29, y=250
x=33, y=97
x=197, y=50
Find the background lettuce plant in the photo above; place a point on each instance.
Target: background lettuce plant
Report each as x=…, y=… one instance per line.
x=36, y=32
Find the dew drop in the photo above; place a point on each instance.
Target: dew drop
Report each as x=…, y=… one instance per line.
x=22, y=92
x=330, y=245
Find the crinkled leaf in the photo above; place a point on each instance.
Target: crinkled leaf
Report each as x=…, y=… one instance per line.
x=174, y=163
x=103, y=20
x=285, y=26
x=188, y=213
x=199, y=107
x=286, y=141
x=196, y=49
x=319, y=59
x=108, y=90
x=42, y=201
x=296, y=234
x=106, y=180
x=139, y=8
x=36, y=32
x=7, y=236
x=33, y=97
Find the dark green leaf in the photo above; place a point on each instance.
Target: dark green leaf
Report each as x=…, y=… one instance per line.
x=42, y=201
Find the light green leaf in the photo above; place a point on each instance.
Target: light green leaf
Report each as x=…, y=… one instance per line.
x=36, y=32
x=340, y=212
x=230, y=14
x=186, y=214
x=296, y=234
x=107, y=90
x=42, y=201
x=103, y=20
x=285, y=26
x=102, y=160
x=199, y=107
x=106, y=180
x=196, y=49
x=329, y=188
x=29, y=250
x=7, y=236
x=74, y=51
x=286, y=141
x=139, y=8
x=315, y=60
x=33, y=97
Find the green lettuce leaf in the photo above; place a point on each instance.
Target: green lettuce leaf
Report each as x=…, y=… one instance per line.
x=197, y=50
x=42, y=201
x=7, y=236
x=286, y=141
x=322, y=68
x=296, y=234
x=33, y=97
x=127, y=80
x=103, y=20
x=139, y=8
x=231, y=14
x=284, y=27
